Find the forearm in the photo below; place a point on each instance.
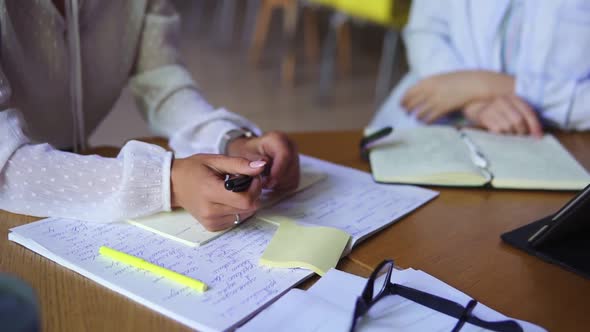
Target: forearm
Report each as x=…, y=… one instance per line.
x=175, y=109
x=198, y=127
x=482, y=85
x=494, y=84
x=41, y=181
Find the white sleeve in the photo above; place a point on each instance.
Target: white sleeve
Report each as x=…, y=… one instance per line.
x=40, y=181
x=166, y=93
x=193, y=126
x=561, y=103
x=556, y=77
x=427, y=36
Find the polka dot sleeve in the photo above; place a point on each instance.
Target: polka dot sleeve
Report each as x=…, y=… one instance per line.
x=38, y=180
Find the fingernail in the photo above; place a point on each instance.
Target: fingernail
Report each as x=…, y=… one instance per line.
x=257, y=163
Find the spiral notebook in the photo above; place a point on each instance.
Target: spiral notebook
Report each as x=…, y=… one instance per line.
x=446, y=156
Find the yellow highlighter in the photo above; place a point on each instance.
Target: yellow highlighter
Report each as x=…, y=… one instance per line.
x=142, y=264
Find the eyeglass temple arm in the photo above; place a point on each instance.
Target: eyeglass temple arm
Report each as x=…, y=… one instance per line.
x=451, y=308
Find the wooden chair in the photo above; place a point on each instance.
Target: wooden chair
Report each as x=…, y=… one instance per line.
x=291, y=11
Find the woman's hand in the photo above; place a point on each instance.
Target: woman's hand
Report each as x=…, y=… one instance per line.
x=280, y=153
x=439, y=95
x=197, y=185
x=505, y=115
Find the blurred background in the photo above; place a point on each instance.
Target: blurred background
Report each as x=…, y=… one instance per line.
x=290, y=65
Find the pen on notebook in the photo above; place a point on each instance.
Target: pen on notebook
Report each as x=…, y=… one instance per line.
x=143, y=264
x=367, y=140
x=375, y=136
x=476, y=155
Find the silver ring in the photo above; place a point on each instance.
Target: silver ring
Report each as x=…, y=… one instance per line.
x=237, y=221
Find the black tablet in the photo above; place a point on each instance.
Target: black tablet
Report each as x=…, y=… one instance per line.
x=572, y=220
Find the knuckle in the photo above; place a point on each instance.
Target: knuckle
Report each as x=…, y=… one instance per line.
x=513, y=121
x=243, y=203
x=251, y=204
x=255, y=206
x=277, y=135
x=211, y=225
x=207, y=212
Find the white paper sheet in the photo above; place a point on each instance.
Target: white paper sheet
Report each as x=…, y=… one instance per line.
x=349, y=200
x=229, y=266
x=239, y=287
x=329, y=306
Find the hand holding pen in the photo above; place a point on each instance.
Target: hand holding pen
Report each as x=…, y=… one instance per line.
x=282, y=173
x=198, y=186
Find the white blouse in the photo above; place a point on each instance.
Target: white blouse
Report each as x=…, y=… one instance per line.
x=117, y=40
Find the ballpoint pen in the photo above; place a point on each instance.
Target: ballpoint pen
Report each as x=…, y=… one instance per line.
x=238, y=183
x=367, y=140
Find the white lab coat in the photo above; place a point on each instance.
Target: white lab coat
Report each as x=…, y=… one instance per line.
x=552, y=68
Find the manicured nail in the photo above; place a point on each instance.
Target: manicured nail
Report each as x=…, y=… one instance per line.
x=257, y=163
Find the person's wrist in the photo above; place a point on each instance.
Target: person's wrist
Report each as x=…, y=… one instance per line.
x=236, y=147
x=472, y=110
x=496, y=85
x=231, y=136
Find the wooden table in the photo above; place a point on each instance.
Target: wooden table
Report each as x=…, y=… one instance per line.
x=454, y=238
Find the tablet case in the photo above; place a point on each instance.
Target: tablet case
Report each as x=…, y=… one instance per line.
x=571, y=252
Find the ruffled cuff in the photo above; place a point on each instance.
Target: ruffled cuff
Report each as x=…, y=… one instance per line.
x=11, y=134
x=146, y=178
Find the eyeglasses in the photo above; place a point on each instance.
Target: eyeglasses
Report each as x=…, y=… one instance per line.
x=377, y=288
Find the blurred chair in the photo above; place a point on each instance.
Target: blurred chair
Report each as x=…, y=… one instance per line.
x=291, y=10
x=224, y=22
x=19, y=310
x=390, y=14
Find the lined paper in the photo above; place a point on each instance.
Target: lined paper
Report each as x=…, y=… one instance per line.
x=347, y=199
x=229, y=266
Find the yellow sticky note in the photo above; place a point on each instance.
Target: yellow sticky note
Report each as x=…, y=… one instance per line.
x=310, y=247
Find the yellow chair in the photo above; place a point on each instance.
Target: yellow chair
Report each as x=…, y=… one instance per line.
x=388, y=13
x=391, y=14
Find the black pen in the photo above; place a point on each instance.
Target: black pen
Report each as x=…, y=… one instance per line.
x=375, y=136
x=238, y=183
x=366, y=141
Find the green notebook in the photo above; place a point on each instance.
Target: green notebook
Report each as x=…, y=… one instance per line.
x=446, y=156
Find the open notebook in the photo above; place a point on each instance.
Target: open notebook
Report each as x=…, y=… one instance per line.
x=180, y=226
x=446, y=156
x=239, y=286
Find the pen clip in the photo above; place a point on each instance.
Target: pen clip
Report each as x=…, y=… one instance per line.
x=372, y=138
x=478, y=158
